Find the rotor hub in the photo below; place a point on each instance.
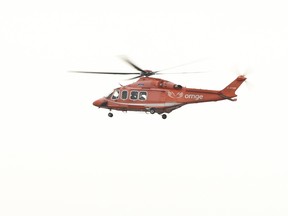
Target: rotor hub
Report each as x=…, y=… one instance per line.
x=147, y=73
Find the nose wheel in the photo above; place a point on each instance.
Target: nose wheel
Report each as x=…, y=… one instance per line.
x=164, y=116
x=110, y=115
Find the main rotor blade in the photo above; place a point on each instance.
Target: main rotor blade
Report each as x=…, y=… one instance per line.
x=131, y=63
x=135, y=77
x=188, y=63
x=111, y=73
x=160, y=73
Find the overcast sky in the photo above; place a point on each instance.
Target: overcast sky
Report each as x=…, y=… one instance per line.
x=59, y=155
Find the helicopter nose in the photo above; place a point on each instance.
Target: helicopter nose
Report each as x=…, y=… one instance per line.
x=100, y=102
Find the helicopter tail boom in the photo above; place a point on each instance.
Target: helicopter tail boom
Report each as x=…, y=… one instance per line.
x=229, y=91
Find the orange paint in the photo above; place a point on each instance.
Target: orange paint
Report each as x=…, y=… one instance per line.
x=160, y=96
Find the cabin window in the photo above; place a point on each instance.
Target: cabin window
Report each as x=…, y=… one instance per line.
x=124, y=95
x=115, y=95
x=134, y=95
x=143, y=96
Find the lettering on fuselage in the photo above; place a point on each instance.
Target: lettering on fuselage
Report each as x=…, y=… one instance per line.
x=193, y=96
x=186, y=96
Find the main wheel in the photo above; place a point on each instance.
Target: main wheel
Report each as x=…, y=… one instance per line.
x=110, y=115
x=164, y=116
x=152, y=110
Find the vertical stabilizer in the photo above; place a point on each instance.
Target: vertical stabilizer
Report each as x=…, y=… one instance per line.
x=230, y=90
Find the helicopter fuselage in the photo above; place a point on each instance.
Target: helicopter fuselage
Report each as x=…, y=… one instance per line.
x=160, y=96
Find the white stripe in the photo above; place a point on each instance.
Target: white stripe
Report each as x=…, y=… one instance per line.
x=149, y=104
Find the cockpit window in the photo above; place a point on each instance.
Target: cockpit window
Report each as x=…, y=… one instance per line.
x=142, y=95
x=134, y=95
x=115, y=95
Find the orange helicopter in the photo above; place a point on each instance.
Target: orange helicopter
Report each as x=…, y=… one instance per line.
x=154, y=95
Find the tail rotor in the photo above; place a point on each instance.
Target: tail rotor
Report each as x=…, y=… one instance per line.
x=244, y=71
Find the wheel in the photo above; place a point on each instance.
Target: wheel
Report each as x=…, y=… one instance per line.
x=152, y=110
x=164, y=116
x=110, y=115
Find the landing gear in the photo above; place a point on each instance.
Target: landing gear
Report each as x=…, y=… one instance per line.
x=152, y=110
x=164, y=116
x=110, y=115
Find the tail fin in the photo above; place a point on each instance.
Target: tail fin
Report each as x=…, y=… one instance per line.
x=230, y=90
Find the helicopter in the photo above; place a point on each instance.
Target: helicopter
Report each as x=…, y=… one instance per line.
x=155, y=95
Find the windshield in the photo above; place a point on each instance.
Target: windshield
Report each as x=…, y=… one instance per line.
x=114, y=95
